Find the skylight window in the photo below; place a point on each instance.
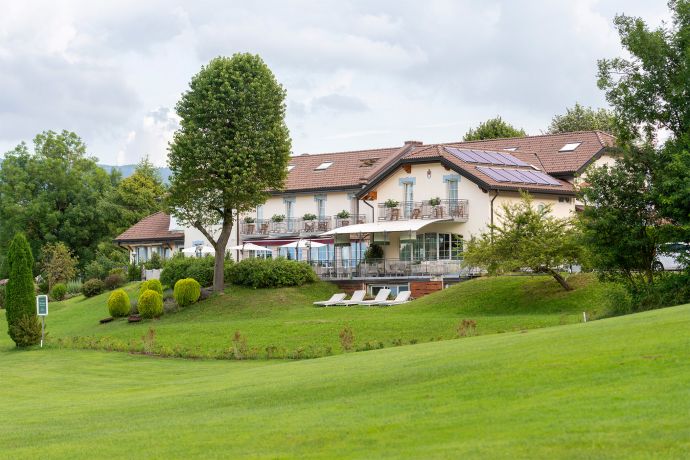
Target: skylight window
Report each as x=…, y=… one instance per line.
x=324, y=165
x=510, y=149
x=570, y=147
x=291, y=167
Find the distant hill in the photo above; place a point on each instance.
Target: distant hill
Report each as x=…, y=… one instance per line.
x=128, y=170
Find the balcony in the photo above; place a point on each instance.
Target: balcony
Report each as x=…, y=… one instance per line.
x=390, y=268
x=457, y=210
x=294, y=226
x=352, y=220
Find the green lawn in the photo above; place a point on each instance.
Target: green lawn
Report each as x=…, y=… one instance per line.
x=615, y=388
x=286, y=319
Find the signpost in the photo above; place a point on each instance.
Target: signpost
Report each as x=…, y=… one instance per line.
x=42, y=311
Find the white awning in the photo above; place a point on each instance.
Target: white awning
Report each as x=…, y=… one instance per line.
x=386, y=226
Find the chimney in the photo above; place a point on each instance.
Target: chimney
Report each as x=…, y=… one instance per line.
x=415, y=143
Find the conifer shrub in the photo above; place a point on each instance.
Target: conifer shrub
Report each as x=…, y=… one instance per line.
x=26, y=331
x=92, y=287
x=134, y=272
x=187, y=292
x=153, y=285
x=58, y=292
x=119, y=304
x=19, y=295
x=150, y=304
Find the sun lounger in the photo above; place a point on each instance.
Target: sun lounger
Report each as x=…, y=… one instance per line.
x=380, y=297
x=357, y=297
x=402, y=297
x=335, y=298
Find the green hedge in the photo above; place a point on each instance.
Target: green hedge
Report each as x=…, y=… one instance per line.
x=119, y=304
x=187, y=291
x=153, y=285
x=150, y=304
x=200, y=268
x=264, y=273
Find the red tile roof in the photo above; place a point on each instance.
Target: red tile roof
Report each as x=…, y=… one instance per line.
x=349, y=169
x=151, y=228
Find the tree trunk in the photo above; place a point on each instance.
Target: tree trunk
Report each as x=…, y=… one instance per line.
x=219, y=267
x=562, y=281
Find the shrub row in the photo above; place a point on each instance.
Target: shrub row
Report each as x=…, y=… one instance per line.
x=265, y=273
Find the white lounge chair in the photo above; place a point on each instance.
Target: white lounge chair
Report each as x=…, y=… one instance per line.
x=356, y=298
x=402, y=297
x=381, y=296
x=335, y=298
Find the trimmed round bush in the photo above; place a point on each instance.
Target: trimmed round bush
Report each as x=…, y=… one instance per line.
x=58, y=292
x=119, y=304
x=114, y=281
x=187, y=291
x=153, y=285
x=150, y=304
x=92, y=287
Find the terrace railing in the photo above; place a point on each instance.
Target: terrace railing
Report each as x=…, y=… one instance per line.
x=456, y=209
x=389, y=268
x=352, y=220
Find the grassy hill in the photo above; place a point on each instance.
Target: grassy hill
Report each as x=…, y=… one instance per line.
x=615, y=388
x=285, y=318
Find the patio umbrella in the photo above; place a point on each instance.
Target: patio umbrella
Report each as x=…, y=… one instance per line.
x=195, y=250
x=248, y=247
x=303, y=244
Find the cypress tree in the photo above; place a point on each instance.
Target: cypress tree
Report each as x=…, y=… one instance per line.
x=20, y=294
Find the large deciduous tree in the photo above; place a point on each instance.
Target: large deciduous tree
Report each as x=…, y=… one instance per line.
x=19, y=299
x=525, y=237
x=581, y=118
x=232, y=148
x=55, y=193
x=493, y=128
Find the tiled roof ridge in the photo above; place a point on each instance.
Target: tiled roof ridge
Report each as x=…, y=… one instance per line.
x=588, y=131
x=378, y=149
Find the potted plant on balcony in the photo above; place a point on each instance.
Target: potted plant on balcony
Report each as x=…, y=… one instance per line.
x=277, y=218
x=391, y=203
x=435, y=201
x=308, y=216
x=250, y=224
x=343, y=216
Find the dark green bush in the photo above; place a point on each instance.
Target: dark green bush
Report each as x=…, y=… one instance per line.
x=92, y=287
x=199, y=268
x=20, y=297
x=114, y=281
x=154, y=263
x=264, y=273
x=374, y=252
x=187, y=291
x=2, y=296
x=58, y=292
x=150, y=304
x=153, y=285
x=119, y=304
x=26, y=331
x=134, y=272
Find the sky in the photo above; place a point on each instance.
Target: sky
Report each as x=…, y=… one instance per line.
x=358, y=74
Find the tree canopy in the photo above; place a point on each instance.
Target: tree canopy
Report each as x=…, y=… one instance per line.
x=493, y=128
x=581, y=118
x=525, y=237
x=232, y=148
x=55, y=193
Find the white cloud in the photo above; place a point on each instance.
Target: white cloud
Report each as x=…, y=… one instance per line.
x=358, y=73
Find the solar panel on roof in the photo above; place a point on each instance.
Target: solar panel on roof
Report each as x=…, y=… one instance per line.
x=487, y=157
x=520, y=176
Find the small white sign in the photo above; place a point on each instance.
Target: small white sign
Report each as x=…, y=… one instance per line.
x=42, y=305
